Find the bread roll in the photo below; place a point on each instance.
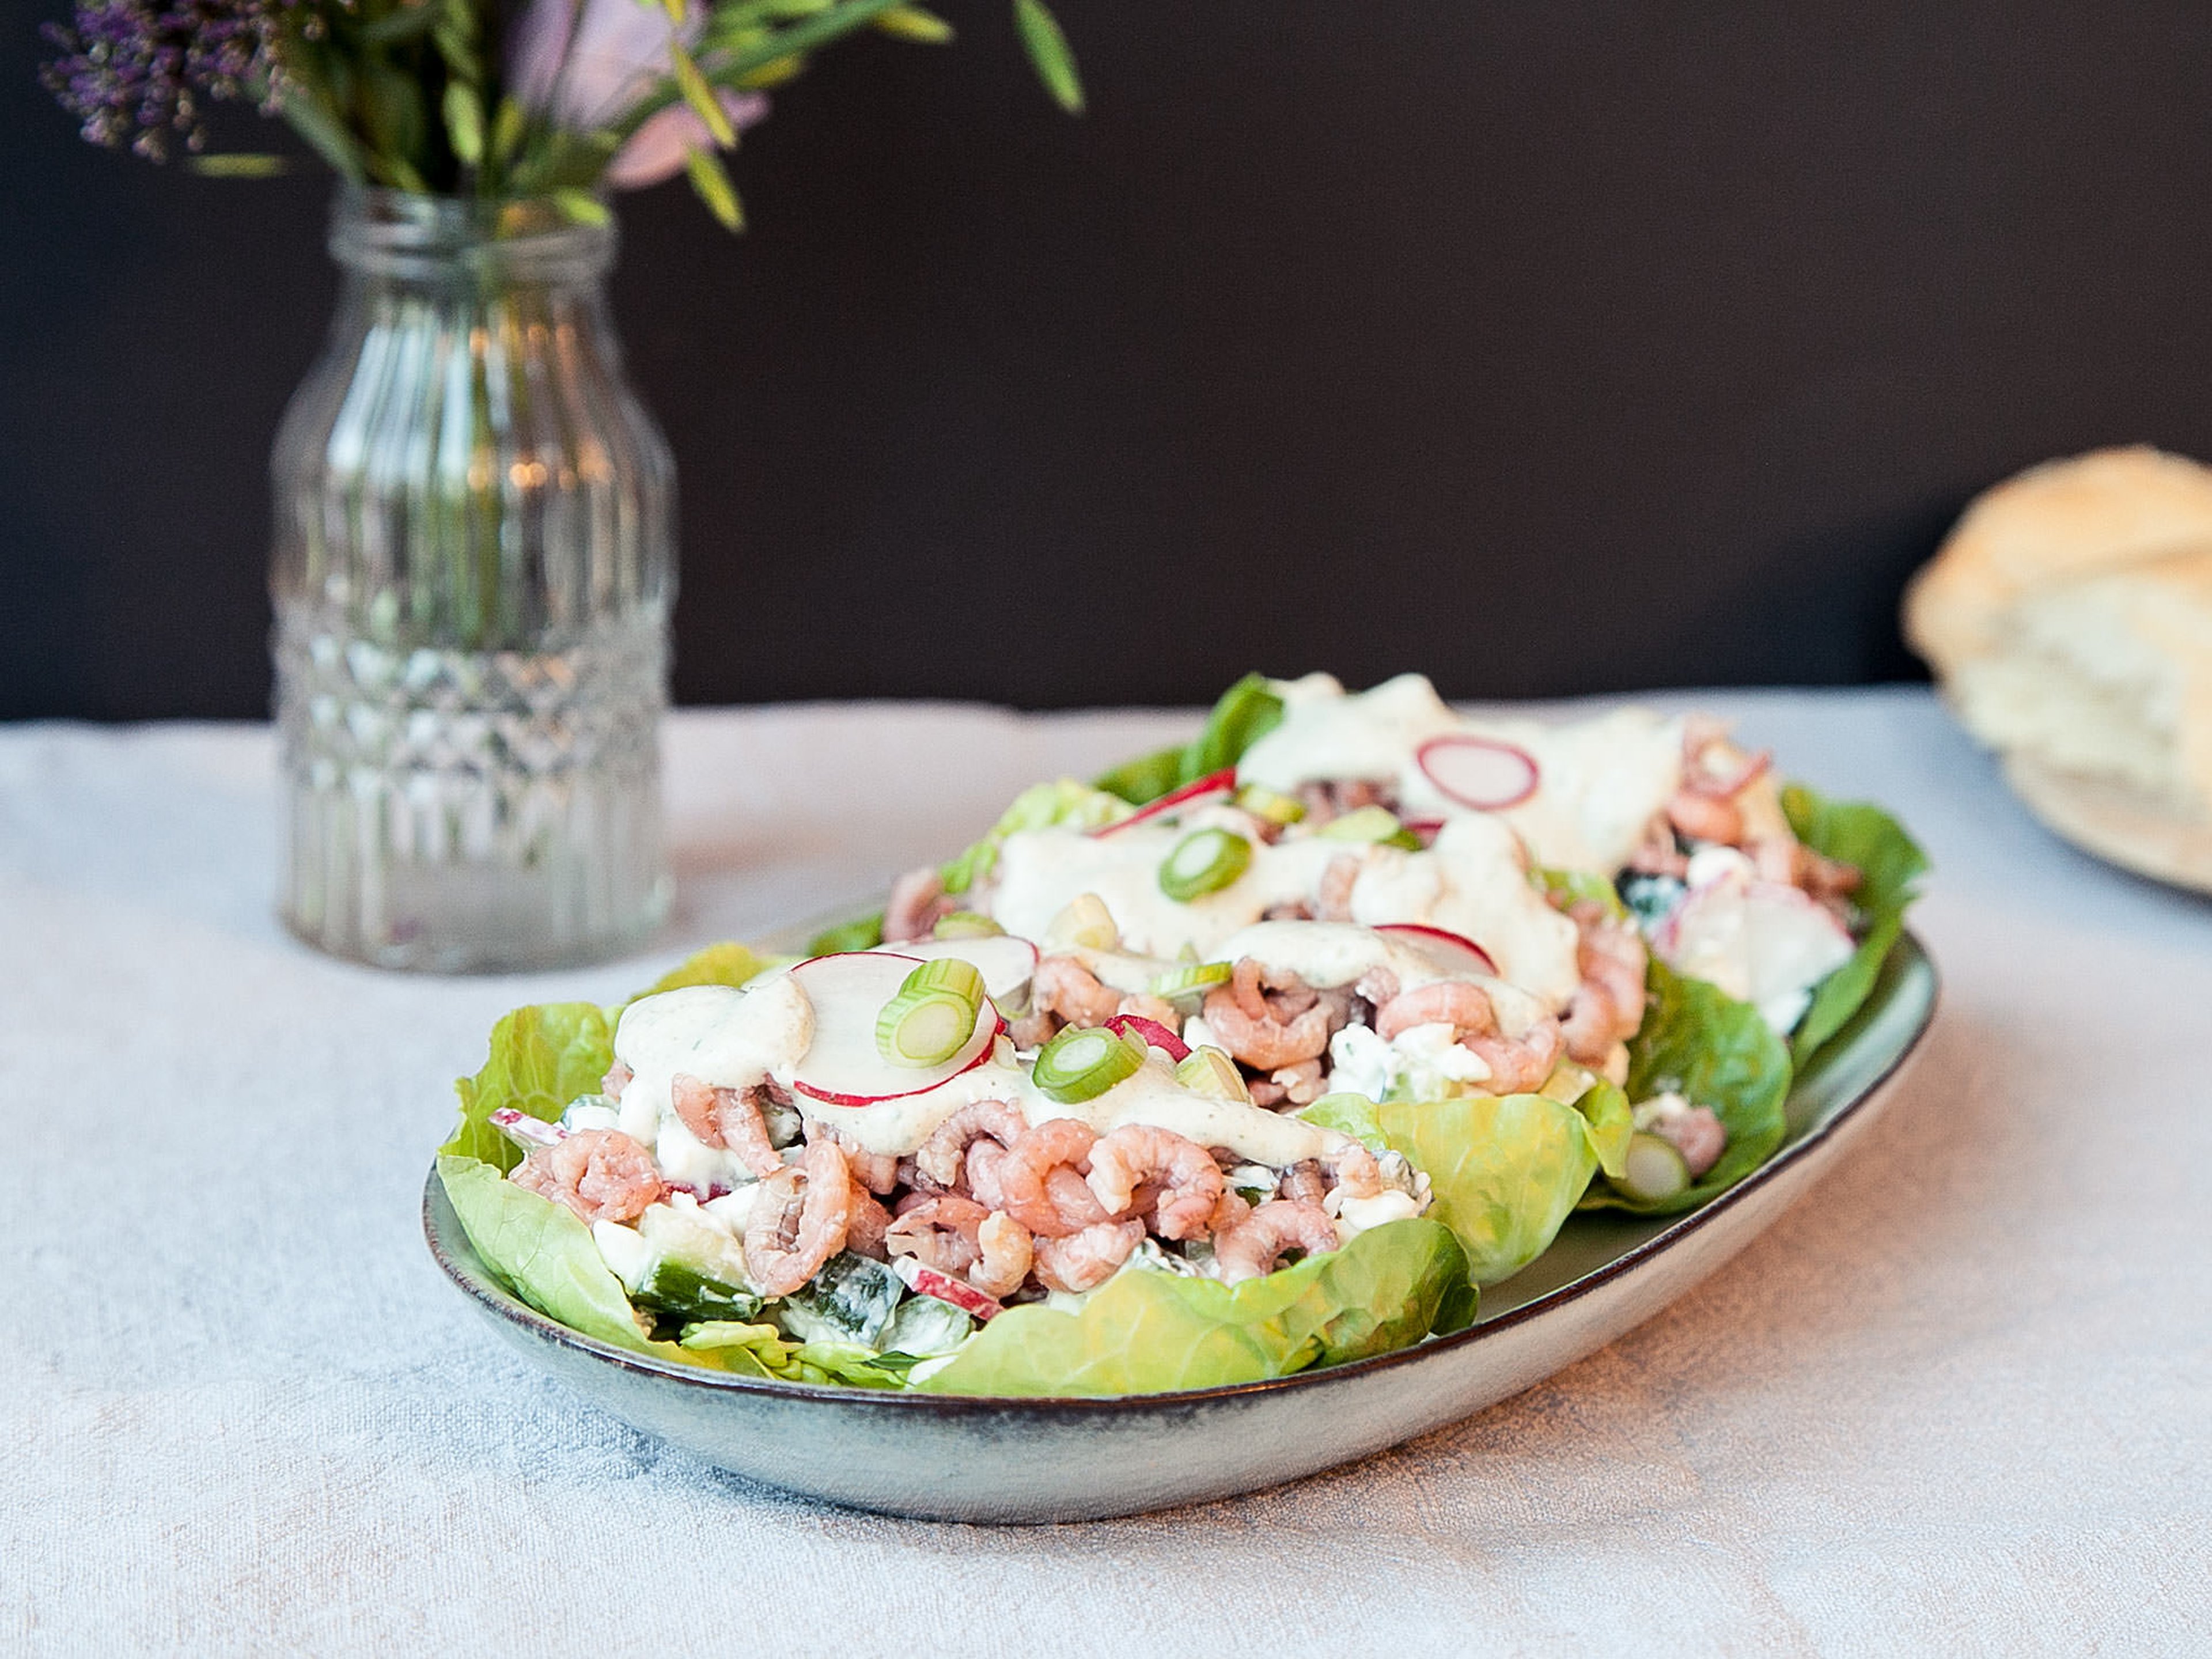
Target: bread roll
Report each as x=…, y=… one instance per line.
x=2069, y=618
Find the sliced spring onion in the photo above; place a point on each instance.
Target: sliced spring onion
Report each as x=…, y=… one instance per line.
x=1084, y=1062
x=1653, y=1170
x=1363, y=823
x=1267, y=804
x=1191, y=982
x=1085, y=921
x=965, y=924
x=954, y=974
x=1210, y=1072
x=924, y=1028
x=1204, y=861
x=934, y=1013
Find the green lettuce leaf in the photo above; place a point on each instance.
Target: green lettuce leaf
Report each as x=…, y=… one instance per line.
x=763, y=1350
x=542, y=1058
x=1041, y=807
x=1568, y=887
x=1704, y=1044
x=728, y=964
x=1244, y=714
x=1505, y=1171
x=546, y=1256
x=1890, y=865
x=864, y=934
x=1146, y=1332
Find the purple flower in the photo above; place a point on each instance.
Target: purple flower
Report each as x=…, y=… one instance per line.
x=619, y=53
x=137, y=71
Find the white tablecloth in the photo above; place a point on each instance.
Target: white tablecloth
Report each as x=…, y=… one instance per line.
x=1959, y=1400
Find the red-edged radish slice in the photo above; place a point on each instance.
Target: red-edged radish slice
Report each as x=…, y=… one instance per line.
x=1152, y=1033
x=1424, y=829
x=842, y=1066
x=525, y=1130
x=1005, y=962
x=928, y=1281
x=1444, y=943
x=1199, y=790
x=1699, y=781
x=1478, y=772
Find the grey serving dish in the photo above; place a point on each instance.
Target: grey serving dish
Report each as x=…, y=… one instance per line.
x=1027, y=1459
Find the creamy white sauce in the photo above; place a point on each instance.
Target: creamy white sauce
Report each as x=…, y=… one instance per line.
x=727, y=1038
x=1600, y=780
x=720, y=1040
x=1472, y=882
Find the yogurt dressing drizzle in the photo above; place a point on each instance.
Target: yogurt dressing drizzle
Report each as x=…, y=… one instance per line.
x=1600, y=780
x=738, y=1039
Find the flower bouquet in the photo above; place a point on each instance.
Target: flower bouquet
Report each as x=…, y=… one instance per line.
x=473, y=557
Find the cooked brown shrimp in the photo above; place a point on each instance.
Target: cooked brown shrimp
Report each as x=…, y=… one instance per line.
x=1301, y=1084
x=940, y=1157
x=1252, y=1249
x=1048, y=1207
x=1270, y=1032
x=941, y=1233
x=617, y=1080
x=1516, y=1064
x=1608, y=1008
x=863, y=1233
x=1332, y=899
x=1352, y=1170
x=602, y=1174
x=985, y=1155
x=918, y=899
x=876, y=1171
x=1086, y=1258
x=725, y=1118
x=799, y=1220
x=1302, y=1183
x=1705, y=817
x=1005, y=1254
x=1063, y=986
x=1139, y=1153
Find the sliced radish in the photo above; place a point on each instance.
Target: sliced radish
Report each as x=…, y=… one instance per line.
x=1005, y=962
x=928, y=1281
x=1478, y=772
x=525, y=1130
x=1426, y=830
x=1442, y=941
x=1153, y=1033
x=842, y=1066
x=1699, y=781
x=1199, y=790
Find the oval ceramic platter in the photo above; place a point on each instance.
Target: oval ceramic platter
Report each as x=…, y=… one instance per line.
x=959, y=1458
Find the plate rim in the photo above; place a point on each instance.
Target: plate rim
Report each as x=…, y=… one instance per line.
x=482, y=1287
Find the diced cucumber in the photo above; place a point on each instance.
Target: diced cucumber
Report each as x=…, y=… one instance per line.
x=851, y=1299
x=925, y=1327
x=684, y=1292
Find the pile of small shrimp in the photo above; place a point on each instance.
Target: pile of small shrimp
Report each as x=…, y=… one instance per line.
x=1012, y=1210
x=1727, y=799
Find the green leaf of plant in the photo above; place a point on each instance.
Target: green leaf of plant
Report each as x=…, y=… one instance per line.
x=1243, y=715
x=729, y=963
x=865, y=935
x=1146, y=1332
x=700, y=97
x=1890, y=865
x=542, y=1058
x=409, y=21
x=238, y=165
x=712, y=182
x=1048, y=51
x=1039, y=807
x=1714, y=1051
x=463, y=114
x=582, y=208
x=913, y=23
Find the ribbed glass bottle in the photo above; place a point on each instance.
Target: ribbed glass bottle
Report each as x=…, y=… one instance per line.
x=473, y=568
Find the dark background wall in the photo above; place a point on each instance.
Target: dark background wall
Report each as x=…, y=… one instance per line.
x=1549, y=347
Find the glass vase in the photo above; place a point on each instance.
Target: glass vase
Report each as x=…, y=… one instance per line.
x=473, y=567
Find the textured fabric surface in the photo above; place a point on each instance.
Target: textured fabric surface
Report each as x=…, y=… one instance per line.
x=1959, y=1401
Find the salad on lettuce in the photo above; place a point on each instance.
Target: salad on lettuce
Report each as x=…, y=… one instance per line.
x=1260, y=1053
